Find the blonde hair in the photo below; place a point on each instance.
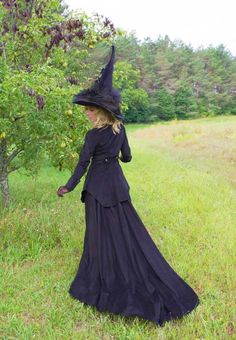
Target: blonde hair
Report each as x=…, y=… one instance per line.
x=105, y=118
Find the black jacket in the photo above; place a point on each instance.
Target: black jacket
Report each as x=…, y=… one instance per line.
x=105, y=179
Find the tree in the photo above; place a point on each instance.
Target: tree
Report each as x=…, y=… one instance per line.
x=137, y=105
x=135, y=101
x=183, y=101
x=37, y=83
x=165, y=107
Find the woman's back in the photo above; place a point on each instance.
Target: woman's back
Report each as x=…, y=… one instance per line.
x=109, y=144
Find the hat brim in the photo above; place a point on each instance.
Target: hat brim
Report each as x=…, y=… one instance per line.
x=90, y=103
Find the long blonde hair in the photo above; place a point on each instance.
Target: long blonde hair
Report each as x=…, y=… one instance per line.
x=105, y=118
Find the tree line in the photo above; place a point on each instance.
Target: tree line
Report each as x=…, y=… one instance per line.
x=163, y=79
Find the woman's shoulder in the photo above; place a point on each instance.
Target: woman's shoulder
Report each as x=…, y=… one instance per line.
x=90, y=134
x=94, y=134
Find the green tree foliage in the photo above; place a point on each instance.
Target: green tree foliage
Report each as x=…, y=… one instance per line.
x=183, y=101
x=137, y=105
x=165, y=106
x=135, y=101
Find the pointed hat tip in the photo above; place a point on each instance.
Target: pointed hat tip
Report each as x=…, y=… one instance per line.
x=112, y=58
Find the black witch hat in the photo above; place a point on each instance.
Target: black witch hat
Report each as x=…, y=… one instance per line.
x=102, y=94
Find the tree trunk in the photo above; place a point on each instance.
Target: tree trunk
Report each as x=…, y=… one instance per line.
x=4, y=185
x=5, y=188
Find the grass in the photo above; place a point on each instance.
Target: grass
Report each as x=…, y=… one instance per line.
x=188, y=203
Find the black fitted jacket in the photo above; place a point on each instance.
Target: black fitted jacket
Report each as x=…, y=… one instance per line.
x=105, y=179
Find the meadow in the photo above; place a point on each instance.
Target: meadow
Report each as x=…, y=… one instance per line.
x=183, y=185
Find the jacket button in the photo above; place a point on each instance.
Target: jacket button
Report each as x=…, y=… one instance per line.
x=106, y=159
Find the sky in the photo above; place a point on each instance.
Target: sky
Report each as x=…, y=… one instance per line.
x=200, y=23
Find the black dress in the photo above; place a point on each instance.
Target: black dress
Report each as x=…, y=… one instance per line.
x=121, y=269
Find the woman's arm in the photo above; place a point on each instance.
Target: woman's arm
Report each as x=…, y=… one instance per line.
x=86, y=153
x=125, y=150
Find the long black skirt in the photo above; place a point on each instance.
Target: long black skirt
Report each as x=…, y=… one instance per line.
x=123, y=272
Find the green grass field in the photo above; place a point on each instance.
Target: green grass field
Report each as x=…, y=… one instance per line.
x=183, y=186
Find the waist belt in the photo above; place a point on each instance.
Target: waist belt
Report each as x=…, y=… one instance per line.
x=105, y=160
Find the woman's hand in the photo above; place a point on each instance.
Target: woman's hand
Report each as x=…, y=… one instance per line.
x=62, y=190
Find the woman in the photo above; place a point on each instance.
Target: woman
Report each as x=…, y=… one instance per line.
x=121, y=269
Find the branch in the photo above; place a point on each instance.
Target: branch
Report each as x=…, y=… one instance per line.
x=13, y=155
x=13, y=169
x=31, y=8
x=4, y=52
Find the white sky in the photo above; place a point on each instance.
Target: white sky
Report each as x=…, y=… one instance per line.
x=199, y=23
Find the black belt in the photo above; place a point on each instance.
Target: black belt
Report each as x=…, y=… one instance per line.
x=105, y=160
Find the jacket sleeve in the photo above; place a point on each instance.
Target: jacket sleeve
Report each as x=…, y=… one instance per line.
x=125, y=150
x=86, y=153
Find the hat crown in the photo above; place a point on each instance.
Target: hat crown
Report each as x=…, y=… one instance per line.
x=104, y=82
x=101, y=93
